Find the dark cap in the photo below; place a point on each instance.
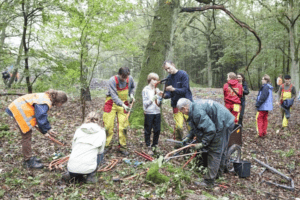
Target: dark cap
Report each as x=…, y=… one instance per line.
x=287, y=77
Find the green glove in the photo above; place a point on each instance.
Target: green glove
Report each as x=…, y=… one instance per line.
x=198, y=146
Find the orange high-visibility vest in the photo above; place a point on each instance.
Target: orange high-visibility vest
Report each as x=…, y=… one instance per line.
x=23, y=110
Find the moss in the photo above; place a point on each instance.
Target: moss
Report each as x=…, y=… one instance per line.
x=156, y=52
x=156, y=177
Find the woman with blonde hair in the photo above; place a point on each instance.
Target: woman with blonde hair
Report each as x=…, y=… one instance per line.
x=30, y=110
x=87, y=150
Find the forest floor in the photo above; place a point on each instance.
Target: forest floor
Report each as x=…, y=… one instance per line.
x=280, y=147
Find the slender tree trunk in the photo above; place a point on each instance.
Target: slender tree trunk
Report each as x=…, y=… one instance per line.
x=2, y=36
x=156, y=52
x=27, y=73
x=294, y=57
x=15, y=72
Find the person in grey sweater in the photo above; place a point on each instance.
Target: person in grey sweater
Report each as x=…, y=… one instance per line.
x=151, y=102
x=120, y=89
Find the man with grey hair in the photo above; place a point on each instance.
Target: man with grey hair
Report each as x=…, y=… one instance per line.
x=212, y=125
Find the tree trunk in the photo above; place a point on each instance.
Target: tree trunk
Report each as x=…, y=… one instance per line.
x=27, y=73
x=156, y=52
x=15, y=72
x=295, y=60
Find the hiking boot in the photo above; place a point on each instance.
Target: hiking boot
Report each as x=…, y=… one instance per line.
x=32, y=163
x=37, y=159
x=150, y=152
x=123, y=151
x=91, y=178
x=207, y=183
x=66, y=176
x=107, y=149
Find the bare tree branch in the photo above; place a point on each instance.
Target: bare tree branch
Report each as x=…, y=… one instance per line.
x=278, y=47
x=241, y=24
x=198, y=29
x=295, y=21
x=288, y=18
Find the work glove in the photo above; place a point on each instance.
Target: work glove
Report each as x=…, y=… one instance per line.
x=185, y=141
x=198, y=146
x=126, y=108
x=154, y=98
x=132, y=98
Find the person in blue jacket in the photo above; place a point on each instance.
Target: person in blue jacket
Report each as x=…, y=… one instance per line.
x=264, y=103
x=178, y=86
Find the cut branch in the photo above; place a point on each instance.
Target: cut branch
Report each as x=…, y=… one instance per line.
x=242, y=24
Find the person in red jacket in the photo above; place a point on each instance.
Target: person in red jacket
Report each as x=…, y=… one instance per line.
x=233, y=92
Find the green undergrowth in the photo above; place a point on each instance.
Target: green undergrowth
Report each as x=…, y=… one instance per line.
x=175, y=177
x=4, y=127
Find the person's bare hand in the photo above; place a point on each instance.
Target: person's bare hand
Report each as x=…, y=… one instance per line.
x=47, y=135
x=170, y=88
x=277, y=103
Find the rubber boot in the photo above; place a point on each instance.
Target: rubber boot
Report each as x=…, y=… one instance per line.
x=32, y=163
x=37, y=159
x=66, y=176
x=91, y=178
x=207, y=183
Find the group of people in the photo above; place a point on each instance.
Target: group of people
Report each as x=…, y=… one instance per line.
x=208, y=121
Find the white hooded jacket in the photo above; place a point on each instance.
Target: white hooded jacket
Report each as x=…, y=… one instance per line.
x=88, y=141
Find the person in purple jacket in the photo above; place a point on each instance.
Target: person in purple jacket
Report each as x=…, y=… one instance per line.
x=178, y=86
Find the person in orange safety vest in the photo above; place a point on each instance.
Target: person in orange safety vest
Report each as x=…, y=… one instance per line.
x=120, y=88
x=30, y=110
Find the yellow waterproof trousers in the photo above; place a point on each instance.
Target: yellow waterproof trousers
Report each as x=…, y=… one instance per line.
x=285, y=121
x=179, y=118
x=109, y=118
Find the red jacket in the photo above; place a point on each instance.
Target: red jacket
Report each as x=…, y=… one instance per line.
x=229, y=96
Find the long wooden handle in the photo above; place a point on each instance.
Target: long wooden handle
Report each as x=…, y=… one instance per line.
x=56, y=141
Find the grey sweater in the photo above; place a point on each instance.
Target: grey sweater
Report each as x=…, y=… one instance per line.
x=112, y=89
x=149, y=106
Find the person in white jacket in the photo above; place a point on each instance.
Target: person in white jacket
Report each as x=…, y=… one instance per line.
x=151, y=102
x=87, y=150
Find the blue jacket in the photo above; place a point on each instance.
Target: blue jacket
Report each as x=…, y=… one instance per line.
x=180, y=81
x=264, y=101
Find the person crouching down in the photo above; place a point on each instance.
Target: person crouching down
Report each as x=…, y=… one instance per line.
x=151, y=103
x=87, y=150
x=30, y=110
x=212, y=125
x=264, y=103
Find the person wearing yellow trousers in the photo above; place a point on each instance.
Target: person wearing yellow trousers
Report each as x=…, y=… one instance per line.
x=285, y=91
x=120, y=87
x=177, y=87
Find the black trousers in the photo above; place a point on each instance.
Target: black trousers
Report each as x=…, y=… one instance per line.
x=243, y=104
x=152, y=121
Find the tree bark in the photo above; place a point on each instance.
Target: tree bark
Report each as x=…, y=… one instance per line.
x=27, y=73
x=156, y=52
x=15, y=72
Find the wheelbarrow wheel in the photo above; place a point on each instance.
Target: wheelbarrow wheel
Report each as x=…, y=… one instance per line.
x=233, y=155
